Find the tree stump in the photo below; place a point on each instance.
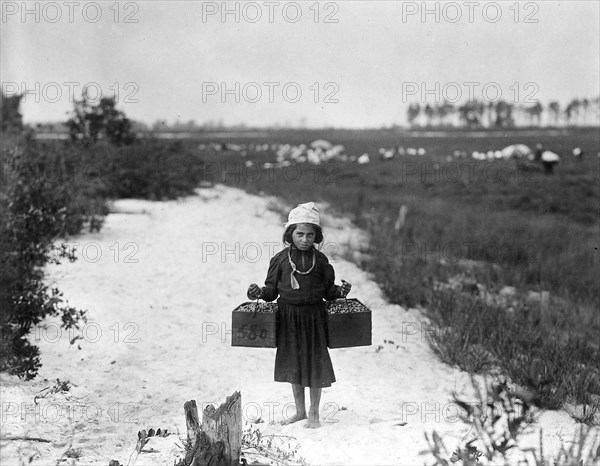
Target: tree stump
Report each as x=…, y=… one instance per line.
x=191, y=420
x=218, y=441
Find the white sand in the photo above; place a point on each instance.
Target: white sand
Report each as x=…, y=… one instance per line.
x=172, y=310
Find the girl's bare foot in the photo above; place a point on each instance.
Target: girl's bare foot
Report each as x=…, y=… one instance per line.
x=313, y=419
x=295, y=418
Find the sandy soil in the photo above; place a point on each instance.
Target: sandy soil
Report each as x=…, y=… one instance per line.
x=159, y=283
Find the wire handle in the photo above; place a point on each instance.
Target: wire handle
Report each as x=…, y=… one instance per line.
x=346, y=297
x=255, y=308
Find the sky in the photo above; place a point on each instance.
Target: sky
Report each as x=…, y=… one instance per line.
x=348, y=64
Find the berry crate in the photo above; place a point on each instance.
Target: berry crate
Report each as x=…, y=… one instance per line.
x=349, y=324
x=253, y=325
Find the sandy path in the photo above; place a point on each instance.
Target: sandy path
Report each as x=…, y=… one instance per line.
x=172, y=309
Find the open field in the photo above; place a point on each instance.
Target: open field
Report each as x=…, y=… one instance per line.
x=485, y=201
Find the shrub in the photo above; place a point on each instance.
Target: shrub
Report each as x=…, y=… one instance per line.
x=497, y=419
x=88, y=123
x=36, y=209
x=55, y=189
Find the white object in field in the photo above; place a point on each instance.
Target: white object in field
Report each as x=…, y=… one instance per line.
x=577, y=151
x=248, y=163
x=498, y=154
x=296, y=152
x=388, y=154
x=336, y=150
x=401, y=150
x=411, y=151
x=549, y=156
x=283, y=152
x=421, y=151
x=313, y=156
x=516, y=150
x=363, y=159
x=401, y=217
x=321, y=144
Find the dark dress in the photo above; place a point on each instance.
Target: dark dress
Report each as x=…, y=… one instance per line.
x=302, y=356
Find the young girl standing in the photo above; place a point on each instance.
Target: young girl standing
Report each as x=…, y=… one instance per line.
x=302, y=278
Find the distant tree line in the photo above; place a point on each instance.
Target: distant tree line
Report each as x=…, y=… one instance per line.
x=502, y=114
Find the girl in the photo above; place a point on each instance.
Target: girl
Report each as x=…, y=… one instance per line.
x=302, y=277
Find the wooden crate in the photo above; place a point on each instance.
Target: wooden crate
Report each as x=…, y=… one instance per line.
x=351, y=327
x=254, y=329
x=345, y=329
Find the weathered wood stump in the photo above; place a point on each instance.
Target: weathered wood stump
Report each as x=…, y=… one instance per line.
x=218, y=440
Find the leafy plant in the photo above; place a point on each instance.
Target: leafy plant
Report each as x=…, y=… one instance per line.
x=497, y=419
x=35, y=210
x=278, y=448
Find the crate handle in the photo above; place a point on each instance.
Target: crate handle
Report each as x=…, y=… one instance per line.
x=346, y=298
x=255, y=308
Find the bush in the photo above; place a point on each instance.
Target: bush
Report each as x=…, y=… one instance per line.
x=55, y=189
x=37, y=205
x=89, y=123
x=12, y=120
x=149, y=169
x=497, y=420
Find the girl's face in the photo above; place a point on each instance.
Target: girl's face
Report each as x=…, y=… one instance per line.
x=303, y=236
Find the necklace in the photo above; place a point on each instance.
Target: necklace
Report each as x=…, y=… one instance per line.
x=294, y=283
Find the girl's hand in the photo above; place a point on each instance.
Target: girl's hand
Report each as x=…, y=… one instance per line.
x=254, y=291
x=345, y=288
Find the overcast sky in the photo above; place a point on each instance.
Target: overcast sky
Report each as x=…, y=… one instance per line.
x=343, y=64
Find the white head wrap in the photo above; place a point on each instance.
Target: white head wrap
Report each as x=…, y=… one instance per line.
x=303, y=213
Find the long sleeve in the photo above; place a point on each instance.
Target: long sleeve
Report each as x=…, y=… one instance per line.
x=331, y=290
x=270, y=291
x=314, y=286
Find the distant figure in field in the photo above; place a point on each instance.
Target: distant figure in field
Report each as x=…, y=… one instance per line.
x=549, y=160
x=578, y=153
x=539, y=150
